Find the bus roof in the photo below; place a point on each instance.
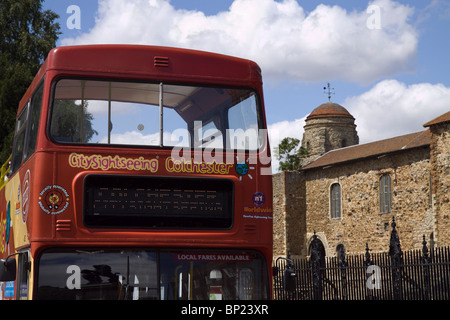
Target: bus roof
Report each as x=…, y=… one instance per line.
x=142, y=60
x=148, y=62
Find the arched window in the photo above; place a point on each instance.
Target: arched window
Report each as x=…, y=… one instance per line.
x=385, y=194
x=335, y=201
x=317, y=248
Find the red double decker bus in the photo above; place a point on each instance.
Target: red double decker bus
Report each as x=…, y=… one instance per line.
x=138, y=172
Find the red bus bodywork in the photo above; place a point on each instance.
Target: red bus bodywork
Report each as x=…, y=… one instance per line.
x=42, y=203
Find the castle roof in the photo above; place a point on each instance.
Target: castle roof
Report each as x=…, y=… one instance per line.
x=441, y=119
x=377, y=148
x=329, y=110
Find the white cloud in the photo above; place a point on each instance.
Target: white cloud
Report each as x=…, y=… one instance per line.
x=392, y=108
x=326, y=43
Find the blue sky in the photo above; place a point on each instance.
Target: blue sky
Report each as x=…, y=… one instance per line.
x=388, y=61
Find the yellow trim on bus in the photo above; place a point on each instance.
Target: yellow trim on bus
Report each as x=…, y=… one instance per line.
x=3, y=171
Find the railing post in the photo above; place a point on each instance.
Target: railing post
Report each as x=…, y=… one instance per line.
x=316, y=268
x=426, y=270
x=367, y=263
x=343, y=268
x=396, y=254
x=289, y=281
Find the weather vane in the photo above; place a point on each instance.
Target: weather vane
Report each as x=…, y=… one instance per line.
x=329, y=91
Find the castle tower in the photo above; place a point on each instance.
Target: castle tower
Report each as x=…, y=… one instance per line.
x=329, y=126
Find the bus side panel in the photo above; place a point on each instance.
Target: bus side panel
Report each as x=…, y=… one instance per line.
x=17, y=192
x=4, y=245
x=18, y=208
x=8, y=202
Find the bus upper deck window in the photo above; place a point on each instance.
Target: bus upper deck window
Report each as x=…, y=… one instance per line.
x=153, y=114
x=243, y=124
x=19, y=139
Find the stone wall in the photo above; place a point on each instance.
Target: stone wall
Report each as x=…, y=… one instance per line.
x=440, y=164
x=361, y=220
x=289, y=228
x=279, y=214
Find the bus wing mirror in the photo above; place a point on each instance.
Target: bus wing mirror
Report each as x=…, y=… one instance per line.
x=8, y=269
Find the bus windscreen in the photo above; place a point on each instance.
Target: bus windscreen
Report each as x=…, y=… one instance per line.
x=140, y=274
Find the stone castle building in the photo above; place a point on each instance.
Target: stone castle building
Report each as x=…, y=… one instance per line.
x=347, y=194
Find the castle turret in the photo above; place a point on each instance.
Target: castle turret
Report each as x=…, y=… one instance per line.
x=329, y=126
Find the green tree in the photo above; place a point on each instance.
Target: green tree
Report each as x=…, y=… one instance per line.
x=72, y=121
x=27, y=34
x=290, y=154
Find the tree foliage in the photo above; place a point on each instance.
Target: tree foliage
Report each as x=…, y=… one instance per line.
x=27, y=34
x=72, y=121
x=290, y=154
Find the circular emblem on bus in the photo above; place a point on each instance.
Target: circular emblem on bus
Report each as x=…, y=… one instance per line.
x=259, y=198
x=241, y=168
x=53, y=199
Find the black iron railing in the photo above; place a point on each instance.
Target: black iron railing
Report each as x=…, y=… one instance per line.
x=422, y=274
